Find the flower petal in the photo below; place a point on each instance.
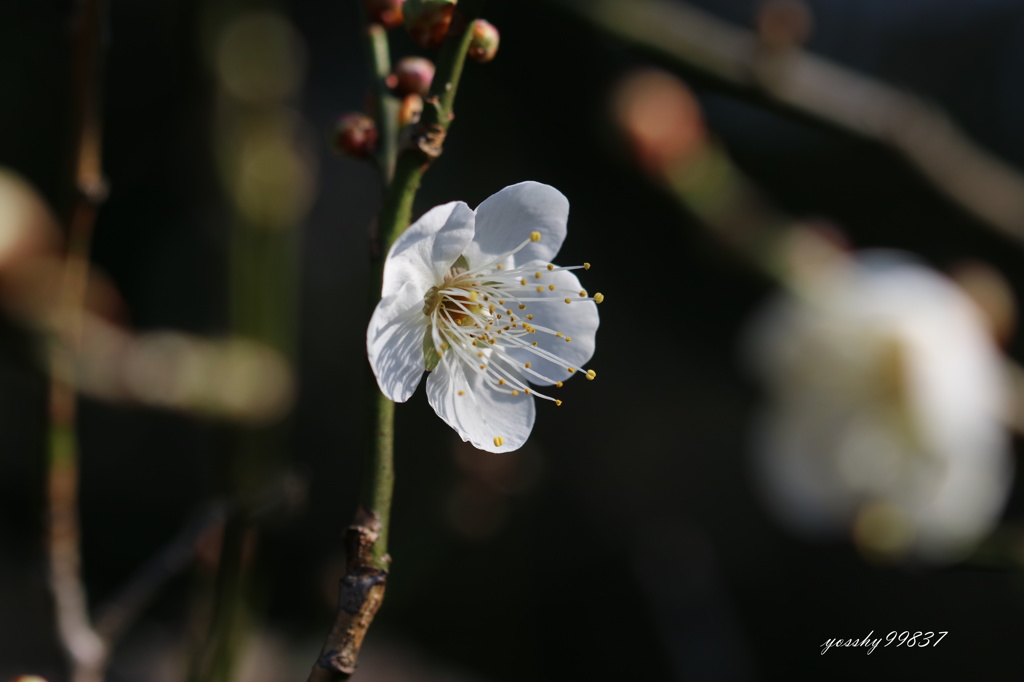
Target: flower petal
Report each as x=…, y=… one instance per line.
x=423, y=253
x=505, y=220
x=577, y=320
x=481, y=414
x=394, y=343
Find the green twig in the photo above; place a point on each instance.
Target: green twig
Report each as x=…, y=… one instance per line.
x=361, y=590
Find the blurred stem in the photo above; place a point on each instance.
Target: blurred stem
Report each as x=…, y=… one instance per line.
x=361, y=589
x=263, y=268
x=386, y=111
x=86, y=652
x=815, y=90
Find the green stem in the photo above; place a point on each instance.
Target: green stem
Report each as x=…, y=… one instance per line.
x=386, y=115
x=427, y=136
x=361, y=590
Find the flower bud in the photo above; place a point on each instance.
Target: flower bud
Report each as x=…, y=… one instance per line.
x=409, y=112
x=386, y=12
x=355, y=135
x=484, y=43
x=412, y=75
x=427, y=21
x=661, y=119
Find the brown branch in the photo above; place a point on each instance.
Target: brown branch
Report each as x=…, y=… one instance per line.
x=361, y=589
x=85, y=650
x=813, y=88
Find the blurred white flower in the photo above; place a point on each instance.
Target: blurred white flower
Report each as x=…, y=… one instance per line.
x=884, y=419
x=473, y=296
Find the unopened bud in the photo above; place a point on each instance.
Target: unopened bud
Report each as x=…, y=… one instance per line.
x=661, y=120
x=355, y=135
x=427, y=21
x=412, y=75
x=784, y=24
x=484, y=43
x=412, y=107
x=386, y=12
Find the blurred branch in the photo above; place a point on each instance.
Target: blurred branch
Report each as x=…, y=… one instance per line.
x=361, y=589
x=699, y=174
x=124, y=608
x=813, y=88
x=386, y=111
x=85, y=650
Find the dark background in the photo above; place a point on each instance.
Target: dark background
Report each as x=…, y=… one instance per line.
x=626, y=540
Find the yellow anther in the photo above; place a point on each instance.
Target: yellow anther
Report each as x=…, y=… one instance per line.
x=498, y=316
x=551, y=287
x=508, y=312
x=551, y=266
x=501, y=303
x=523, y=282
x=522, y=306
x=516, y=392
x=529, y=317
x=583, y=293
x=538, y=275
x=439, y=353
x=480, y=354
x=559, y=334
x=528, y=365
x=568, y=300
x=501, y=382
x=486, y=297
x=534, y=344
x=558, y=402
x=535, y=236
x=599, y=297
x=527, y=391
x=483, y=366
x=568, y=339
x=500, y=266
x=559, y=384
x=540, y=289
x=591, y=374
x=492, y=340
x=571, y=369
x=490, y=309
x=474, y=295
x=498, y=441
x=462, y=393
x=586, y=266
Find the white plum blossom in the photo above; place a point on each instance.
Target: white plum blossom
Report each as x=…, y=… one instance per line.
x=473, y=297
x=886, y=394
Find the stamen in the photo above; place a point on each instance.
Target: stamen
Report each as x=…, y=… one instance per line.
x=535, y=236
x=599, y=297
x=498, y=441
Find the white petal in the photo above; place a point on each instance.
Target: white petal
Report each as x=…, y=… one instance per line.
x=506, y=219
x=423, y=253
x=481, y=414
x=577, y=320
x=394, y=344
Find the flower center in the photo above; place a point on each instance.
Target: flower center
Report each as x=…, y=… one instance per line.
x=483, y=313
